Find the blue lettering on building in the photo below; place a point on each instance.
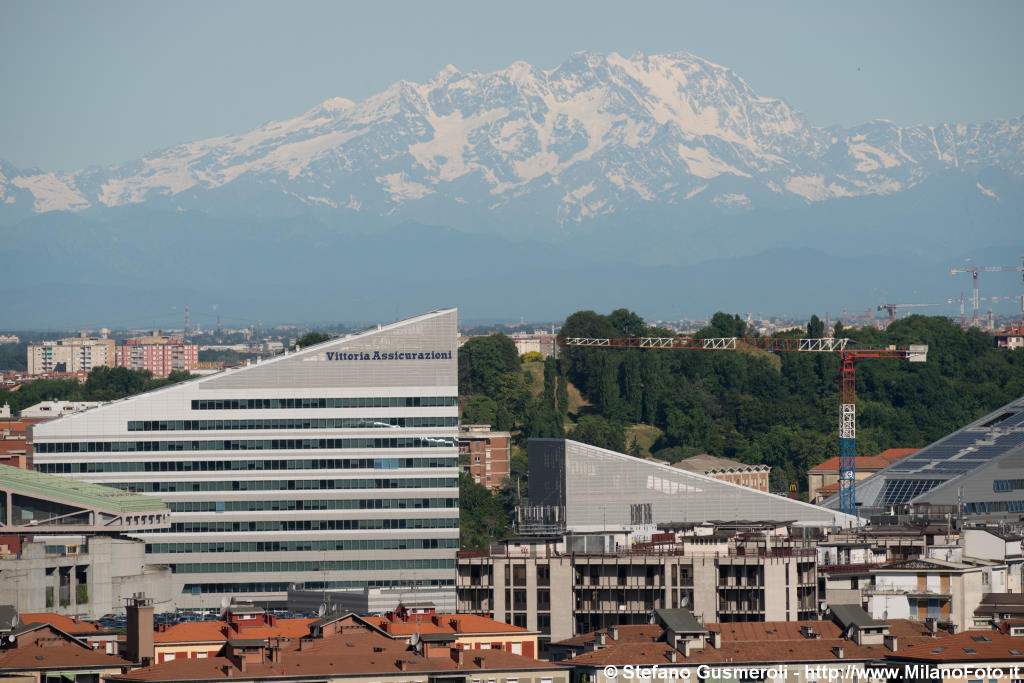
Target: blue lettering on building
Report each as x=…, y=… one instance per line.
x=389, y=355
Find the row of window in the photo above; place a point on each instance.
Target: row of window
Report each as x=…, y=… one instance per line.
x=340, y=565
x=308, y=525
x=300, y=546
x=344, y=504
x=283, y=423
x=286, y=485
x=1016, y=506
x=278, y=587
x=290, y=403
x=244, y=444
x=246, y=465
x=1005, y=485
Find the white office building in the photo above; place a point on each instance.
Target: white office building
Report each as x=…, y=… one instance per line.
x=333, y=466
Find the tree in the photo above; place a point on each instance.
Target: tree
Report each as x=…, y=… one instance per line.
x=815, y=328
x=310, y=338
x=598, y=431
x=482, y=520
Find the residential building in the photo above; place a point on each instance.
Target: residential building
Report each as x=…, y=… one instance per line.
x=959, y=658
x=203, y=639
x=349, y=649
x=823, y=479
x=94, y=635
x=1010, y=337
x=159, y=354
x=723, y=469
x=43, y=653
x=333, y=467
x=564, y=586
x=485, y=454
x=75, y=354
x=465, y=631
x=846, y=646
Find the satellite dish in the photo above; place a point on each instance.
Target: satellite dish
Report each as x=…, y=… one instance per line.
x=321, y=610
x=653, y=620
x=415, y=640
x=225, y=603
x=685, y=601
x=823, y=606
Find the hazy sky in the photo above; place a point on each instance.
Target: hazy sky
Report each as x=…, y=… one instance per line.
x=96, y=83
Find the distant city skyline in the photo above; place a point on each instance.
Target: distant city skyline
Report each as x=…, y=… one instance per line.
x=101, y=83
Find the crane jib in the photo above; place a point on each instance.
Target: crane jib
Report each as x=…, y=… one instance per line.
x=914, y=353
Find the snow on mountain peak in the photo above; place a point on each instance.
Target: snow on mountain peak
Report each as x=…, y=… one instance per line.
x=607, y=130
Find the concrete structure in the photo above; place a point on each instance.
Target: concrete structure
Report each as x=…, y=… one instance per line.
x=567, y=586
x=80, y=576
x=332, y=467
x=601, y=489
x=486, y=454
x=75, y=354
x=368, y=600
x=823, y=479
x=48, y=409
x=723, y=469
x=976, y=473
x=159, y=354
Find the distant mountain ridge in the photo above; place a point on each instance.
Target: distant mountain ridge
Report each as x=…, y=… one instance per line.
x=596, y=136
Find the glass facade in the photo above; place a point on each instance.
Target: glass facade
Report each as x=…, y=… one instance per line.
x=338, y=474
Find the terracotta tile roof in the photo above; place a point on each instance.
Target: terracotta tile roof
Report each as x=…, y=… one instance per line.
x=873, y=462
x=358, y=651
x=64, y=656
x=467, y=624
x=755, y=642
x=59, y=650
x=969, y=646
x=66, y=624
x=213, y=631
x=638, y=633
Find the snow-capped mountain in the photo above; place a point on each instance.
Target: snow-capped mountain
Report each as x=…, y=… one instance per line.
x=594, y=137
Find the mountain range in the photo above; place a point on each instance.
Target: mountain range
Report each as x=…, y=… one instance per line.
x=602, y=163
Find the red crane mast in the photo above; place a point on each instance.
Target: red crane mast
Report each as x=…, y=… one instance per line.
x=847, y=379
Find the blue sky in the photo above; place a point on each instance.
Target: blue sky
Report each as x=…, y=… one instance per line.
x=97, y=83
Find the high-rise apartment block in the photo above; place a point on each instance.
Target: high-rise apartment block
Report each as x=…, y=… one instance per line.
x=159, y=354
x=75, y=354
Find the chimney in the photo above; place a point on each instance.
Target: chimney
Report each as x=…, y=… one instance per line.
x=838, y=652
x=716, y=639
x=602, y=638
x=687, y=644
x=140, y=628
x=673, y=656
x=614, y=632
x=891, y=643
x=402, y=664
x=459, y=656
x=228, y=670
x=304, y=644
x=933, y=626
x=479, y=661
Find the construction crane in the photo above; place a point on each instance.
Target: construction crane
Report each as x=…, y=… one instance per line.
x=961, y=299
x=974, y=277
x=916, y=353
x=892, y=308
